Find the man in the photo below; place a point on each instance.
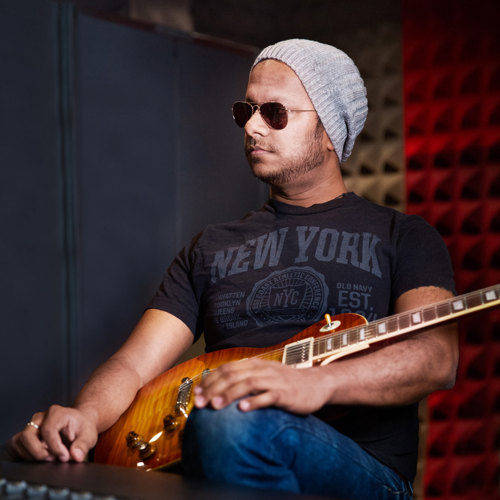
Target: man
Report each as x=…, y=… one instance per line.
x=314, y=248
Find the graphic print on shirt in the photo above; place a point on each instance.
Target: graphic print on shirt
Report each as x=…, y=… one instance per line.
x=354, y=298
x=312, y=243
x=293, y=294
x=227, y=307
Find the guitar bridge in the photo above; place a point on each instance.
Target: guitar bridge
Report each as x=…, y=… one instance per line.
x=172, y=421
x=183, y=396
x=299, y=354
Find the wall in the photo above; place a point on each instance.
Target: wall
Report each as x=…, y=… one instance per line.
x=452, y=139
x=117, y=146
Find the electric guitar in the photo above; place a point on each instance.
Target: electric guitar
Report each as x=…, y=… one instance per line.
x=148, y=435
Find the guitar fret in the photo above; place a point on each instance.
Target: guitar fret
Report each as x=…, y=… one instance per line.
x=443, y=310
x=429, y=314
x=392, y=324
x=370, y=331
x=317, y=350
x=356, y=337
x=404, y=321
x=474, y=300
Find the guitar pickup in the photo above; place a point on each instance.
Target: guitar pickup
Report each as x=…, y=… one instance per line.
x=299, y=354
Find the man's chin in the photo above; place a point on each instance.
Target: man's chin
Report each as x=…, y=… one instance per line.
x=269, y=177
x=260, y=171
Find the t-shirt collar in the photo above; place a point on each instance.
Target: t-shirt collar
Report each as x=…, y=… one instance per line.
x=285, y=208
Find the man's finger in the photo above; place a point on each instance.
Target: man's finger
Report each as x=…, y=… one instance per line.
x=262, y=400
x=29, y=446
x=223, y=379
x=51, y=435
x=82, y=444
x=18, y=450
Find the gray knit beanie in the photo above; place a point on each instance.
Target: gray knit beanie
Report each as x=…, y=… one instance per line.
x=333, y=83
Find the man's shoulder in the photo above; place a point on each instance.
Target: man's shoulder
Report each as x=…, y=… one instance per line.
x=382, y=213
x=385, y=218
x=365, y=204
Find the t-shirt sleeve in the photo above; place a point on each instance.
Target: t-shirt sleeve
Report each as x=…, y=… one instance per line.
x=422, y=258
x=176, y=293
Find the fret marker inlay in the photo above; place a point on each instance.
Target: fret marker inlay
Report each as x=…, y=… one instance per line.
x=381, y=328
x=416, y=317
x=362, y=334
x=344, y=339
x=491, y=295
x=458, y=305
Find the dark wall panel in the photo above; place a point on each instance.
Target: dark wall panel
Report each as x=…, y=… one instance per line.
x=215, y=182
x=126, y=138
x=159, y=158
x=118, y=145
x=32, y=342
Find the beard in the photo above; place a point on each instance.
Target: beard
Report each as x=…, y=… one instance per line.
x=295, y=166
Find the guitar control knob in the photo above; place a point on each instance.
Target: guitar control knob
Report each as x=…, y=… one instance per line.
x=133, y=440
x=137, y=442
x=147, y=450
x=170, y=423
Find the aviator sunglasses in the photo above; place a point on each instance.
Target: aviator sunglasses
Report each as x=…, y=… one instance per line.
x=274, y=114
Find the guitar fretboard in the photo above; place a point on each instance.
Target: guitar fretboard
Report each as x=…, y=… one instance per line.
x=408, y=321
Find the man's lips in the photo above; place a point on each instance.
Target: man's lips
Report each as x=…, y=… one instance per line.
x=255, y=150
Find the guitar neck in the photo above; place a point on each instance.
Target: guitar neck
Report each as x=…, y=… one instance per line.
x=334, y=344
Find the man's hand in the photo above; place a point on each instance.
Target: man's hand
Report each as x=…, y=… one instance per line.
x=258, y=383
x=63, y=434
x=400, y=373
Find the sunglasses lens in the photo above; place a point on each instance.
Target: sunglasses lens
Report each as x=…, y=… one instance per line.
x=274, y=114
x=242, y=112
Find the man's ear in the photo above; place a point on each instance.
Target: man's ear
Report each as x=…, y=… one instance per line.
x=327, y=141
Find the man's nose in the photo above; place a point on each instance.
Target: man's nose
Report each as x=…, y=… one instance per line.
x=256, y=125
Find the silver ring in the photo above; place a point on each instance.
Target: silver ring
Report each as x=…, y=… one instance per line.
x=32, y=424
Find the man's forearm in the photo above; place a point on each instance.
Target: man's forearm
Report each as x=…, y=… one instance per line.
x=400, y=373
x=108, y=392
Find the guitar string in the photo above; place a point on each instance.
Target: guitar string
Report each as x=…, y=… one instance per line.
x=371, y=327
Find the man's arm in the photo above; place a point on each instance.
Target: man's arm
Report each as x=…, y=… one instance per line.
x=400, y=373
x=68, y=433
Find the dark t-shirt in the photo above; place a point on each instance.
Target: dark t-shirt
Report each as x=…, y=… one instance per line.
x=261, y=279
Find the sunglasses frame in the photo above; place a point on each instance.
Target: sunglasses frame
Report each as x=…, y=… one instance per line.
x=257, y=107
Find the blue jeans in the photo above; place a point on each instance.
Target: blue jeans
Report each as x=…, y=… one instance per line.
x=274, y=449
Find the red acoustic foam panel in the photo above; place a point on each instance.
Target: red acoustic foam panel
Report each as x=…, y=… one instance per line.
x=451, y=96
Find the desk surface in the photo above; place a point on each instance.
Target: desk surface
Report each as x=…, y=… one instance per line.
x=122, y=483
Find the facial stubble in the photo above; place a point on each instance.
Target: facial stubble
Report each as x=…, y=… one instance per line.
x=296, y=166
